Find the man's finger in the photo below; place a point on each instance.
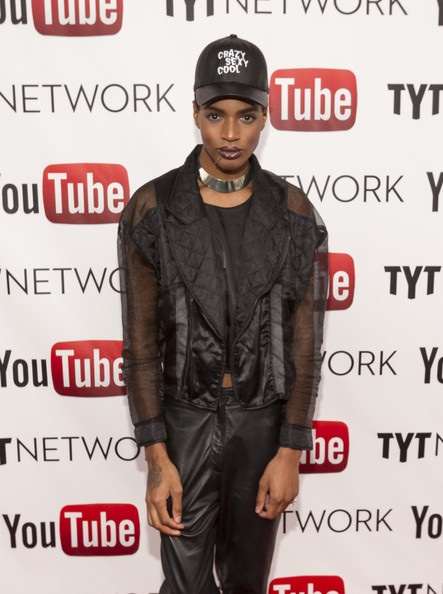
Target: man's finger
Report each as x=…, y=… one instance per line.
x=272, y=509
x=177, y=507
x=165, y=519
x=171, y=528
x=262, y=496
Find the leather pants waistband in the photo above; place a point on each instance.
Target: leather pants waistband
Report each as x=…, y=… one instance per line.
x=228, y=397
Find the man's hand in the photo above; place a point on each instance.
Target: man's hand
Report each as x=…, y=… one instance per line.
x=163, y=482
x=279, y=484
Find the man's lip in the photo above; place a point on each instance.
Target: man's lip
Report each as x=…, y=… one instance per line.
x=229, y=152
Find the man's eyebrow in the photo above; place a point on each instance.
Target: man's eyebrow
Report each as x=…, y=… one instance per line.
x=245, y=110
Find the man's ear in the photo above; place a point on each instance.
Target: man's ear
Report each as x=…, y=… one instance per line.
x=196, y=109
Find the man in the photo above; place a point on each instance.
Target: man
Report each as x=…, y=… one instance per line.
x=225, y=275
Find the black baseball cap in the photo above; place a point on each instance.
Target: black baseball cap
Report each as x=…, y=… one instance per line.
x=231, y=67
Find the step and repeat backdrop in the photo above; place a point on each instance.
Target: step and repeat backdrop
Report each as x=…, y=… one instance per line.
x=96, y=99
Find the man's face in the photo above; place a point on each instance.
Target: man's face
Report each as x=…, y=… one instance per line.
x=230, y=131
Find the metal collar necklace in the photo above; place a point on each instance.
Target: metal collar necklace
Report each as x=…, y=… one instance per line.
x=225, y=186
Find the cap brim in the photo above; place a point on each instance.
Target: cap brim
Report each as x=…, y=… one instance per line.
x=209, y=93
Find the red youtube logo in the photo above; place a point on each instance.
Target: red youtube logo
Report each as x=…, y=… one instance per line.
x=330, y=450
x=341, y=281
x=313, y=99
x=99, y=529
x=77, y=17
x=85, y=193
x=88, y=368
x=324, y=584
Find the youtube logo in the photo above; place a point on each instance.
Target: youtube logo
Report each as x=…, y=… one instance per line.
x=330, y=450
x=313, y=99
x=325, y=584
x=85, y=193
x=341, y=281
x=99, y=529
x=88, y=368
x=77, y=17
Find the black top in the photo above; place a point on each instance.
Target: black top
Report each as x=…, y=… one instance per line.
x=228, y=224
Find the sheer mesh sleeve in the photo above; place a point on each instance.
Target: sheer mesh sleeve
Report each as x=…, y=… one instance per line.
x=307, y=325
x=141, y=361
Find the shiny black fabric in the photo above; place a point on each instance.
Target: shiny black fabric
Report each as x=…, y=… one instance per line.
x=174, y=304
x=220, y=457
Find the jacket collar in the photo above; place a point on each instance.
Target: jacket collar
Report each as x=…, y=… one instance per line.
x=192, y=246
x=185, y=202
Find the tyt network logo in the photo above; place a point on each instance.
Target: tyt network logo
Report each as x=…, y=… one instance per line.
x=369, y=363
x=330, y=450
x=403, y=589
x=341, y=281
x=85, y=193
x=66, y=448
x=88, y=368
x=412, y=276
x=210, y=8
x=325, y=584
x=426, y=96
x=77, y=17
x=407, y=446
x=313, y=99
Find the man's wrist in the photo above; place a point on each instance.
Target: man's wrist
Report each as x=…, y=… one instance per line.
x=155, y=451
x=290, y=454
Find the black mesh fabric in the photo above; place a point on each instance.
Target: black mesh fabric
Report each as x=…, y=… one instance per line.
x=307, y=326
x=142, y=366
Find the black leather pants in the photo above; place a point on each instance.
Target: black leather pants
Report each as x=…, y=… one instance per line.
x=220, y=457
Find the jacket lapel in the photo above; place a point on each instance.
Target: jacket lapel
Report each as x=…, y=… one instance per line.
x=264, y=243
x=192, y=246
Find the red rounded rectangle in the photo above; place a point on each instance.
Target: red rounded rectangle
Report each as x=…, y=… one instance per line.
x=308, y=584
x=341, y=281
x=91, y=368
x=77, y=18
x=99, y=529
x=313, y=99
x=85, y=193
x=330, y=450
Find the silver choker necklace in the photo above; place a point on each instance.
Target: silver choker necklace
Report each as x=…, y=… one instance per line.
x=225, y=186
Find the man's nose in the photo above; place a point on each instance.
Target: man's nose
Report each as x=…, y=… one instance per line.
x=230, y=130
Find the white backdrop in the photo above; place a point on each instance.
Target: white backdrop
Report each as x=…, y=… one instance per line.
x=116, y=95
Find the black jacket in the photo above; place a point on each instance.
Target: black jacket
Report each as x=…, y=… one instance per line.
x=173, y=307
